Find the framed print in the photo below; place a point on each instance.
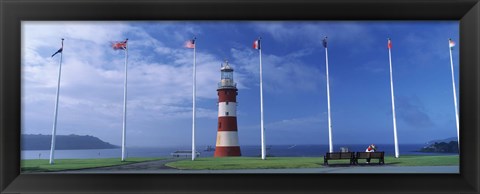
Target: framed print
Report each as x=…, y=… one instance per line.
x=239, y=96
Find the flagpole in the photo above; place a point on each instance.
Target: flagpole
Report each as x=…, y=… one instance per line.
x=193, y=97
x=454, y=93
x=124, y=134
x=328, y=101
x=393, y=103
x=55, y=114
x=262, y=129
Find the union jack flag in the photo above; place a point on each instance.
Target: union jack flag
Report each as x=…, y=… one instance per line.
x=120, y=45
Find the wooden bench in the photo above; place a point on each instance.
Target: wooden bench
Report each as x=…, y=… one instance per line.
x=371, y=155
x=339, y=156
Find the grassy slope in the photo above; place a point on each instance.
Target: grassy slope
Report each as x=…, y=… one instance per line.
x=303, y=162
x=74, y=164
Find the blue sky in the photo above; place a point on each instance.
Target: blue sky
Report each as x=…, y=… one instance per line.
x=295, y=101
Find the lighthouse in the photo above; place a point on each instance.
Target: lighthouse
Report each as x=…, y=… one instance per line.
x=227, y=135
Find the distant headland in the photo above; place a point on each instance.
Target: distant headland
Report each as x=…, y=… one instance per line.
x=449, y=145
x=63, y=142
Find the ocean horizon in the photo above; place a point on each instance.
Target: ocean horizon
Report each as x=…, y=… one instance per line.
x=247, y=150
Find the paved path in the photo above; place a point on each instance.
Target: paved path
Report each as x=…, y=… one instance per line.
x=141, y=167
x=158, y=167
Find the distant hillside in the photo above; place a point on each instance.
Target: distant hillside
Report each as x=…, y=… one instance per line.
x=441, y=147
x=442, y=140
x=63, y=142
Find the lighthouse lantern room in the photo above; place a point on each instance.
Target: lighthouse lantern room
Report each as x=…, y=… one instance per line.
x=227, y=134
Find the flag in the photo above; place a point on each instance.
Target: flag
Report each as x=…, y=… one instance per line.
x=59, y=51
x=451, y=43
x=389, y=45
x=190, y=43
x=256, y=44
x=325, y=42
x=120, y=45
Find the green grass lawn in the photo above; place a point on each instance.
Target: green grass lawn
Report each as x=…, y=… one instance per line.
x=42, y=165
x=423, y=160
x=247, y=163
x=302, y=162
x=233, y=163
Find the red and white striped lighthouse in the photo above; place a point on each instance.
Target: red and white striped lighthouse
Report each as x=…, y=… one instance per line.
x=227, y=135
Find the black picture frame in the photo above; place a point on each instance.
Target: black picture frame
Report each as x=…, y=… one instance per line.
x=12, y=12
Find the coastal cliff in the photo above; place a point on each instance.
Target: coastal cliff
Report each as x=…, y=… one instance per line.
x=63, y=142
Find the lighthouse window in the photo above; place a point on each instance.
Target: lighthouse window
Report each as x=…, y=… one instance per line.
x=226, y=113
x=226, y=103
x=227, y=75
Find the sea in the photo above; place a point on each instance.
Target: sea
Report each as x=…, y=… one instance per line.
x=248, y=150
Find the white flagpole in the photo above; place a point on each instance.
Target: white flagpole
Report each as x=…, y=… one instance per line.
x=124, y=133
x=54, y=129
x=193, y=97
x=262, y=129
x=330, y=143
x=454, y=93
x=393, y=104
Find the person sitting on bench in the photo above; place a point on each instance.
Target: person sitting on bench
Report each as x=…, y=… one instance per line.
x=371, y=148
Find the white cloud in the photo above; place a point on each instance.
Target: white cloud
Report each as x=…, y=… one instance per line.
x=280, y=73
x=295, y=124
x=312, y=33
x=91, y=93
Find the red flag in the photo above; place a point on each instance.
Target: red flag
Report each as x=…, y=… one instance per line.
x=389, y=44
x=121, y=45
x=451, y=43
x=190, y=44
x=256, y=44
